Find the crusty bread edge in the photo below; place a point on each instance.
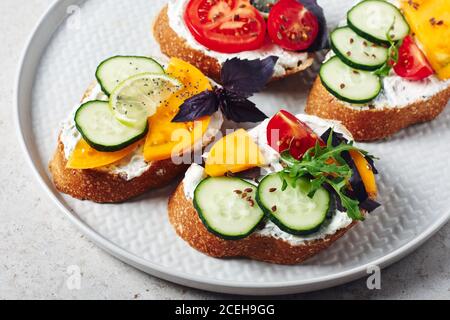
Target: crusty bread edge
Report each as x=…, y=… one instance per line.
x=187, y=224
x=374, y=124
x=174, y=46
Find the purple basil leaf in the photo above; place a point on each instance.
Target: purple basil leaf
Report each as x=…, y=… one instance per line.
x=321, y=41
x=371, y=162
x=246, y=77
x=253, y=174
x=359, y=189
x=336, y=197
x=369, y=205
x=239, y=109
x=337, y=139
x=200, y=105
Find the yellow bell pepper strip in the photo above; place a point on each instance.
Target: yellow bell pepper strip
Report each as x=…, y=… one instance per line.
x=166, y=138
x=430, y=23
x=234, y=153
x=86, y=157
x=366, y=173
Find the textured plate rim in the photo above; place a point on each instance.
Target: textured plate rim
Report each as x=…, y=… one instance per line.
x=230, y=287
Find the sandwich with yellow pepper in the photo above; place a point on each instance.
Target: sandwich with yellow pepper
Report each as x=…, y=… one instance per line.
x=129, y=134
x=389, y=67
x=280, y=193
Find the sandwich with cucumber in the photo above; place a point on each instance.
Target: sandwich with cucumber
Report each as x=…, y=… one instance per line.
x=389, y=68
x=120, y=141
x=206, y=33
x=281, y=192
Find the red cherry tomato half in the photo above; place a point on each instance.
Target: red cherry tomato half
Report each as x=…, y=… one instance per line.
x=227, y=26
x=412, y=63
x=286, y=132
x=292, y=26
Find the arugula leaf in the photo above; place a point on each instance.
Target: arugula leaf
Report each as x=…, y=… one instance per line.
x=324, y=165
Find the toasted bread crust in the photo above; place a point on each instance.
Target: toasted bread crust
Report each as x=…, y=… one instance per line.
x=189, y=227
x=174, y=46
x=374, y=124
x=105, y=187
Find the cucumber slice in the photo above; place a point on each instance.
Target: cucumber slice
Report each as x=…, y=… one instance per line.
x=356, y=51
x=138, y=97
x=101, y=130
x=227, y=207
x=292, y=210
x=375, y=20
x=111, y=72
x=349, y=84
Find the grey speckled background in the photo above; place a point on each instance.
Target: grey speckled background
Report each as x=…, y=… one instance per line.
x=38, y=244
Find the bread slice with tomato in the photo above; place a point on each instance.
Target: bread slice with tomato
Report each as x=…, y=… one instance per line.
x=207, y=33
x=260, y=207
x=378, y=84
x=100, y=169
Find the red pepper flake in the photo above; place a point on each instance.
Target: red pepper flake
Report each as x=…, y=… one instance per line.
x=274, y=208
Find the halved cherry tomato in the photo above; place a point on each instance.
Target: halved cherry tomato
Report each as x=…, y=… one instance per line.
x=286, y=132
x=292, y=26
x=412, y=63
x=227, y=26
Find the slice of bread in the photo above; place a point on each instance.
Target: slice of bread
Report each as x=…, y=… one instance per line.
x=104, y=186
x=174, y=46
x=107, y=187
x=374, y=124
x=189, y=227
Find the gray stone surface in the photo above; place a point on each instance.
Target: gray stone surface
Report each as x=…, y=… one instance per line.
x=38, y=244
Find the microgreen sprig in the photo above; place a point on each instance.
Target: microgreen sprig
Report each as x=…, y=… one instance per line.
x=393, y=55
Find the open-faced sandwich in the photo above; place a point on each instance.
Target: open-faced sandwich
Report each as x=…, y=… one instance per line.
x=206, y=33
x=140, y=125
x=280, y=193
x=120, y=141
x=389, y=67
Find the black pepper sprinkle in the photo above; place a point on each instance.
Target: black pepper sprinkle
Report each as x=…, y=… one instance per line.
x=272, y=189
x=274, y=208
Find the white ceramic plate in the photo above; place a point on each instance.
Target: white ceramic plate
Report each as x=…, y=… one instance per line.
x=58, y=65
